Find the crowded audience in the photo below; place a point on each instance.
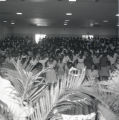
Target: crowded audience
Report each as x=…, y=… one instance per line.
x=98, y=55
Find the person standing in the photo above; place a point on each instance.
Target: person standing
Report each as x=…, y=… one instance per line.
x=104, y=67
x=60, y=68
x=51, y=73
x=96, y=59
x=81, y=59
x=112, y=57
x=88, y=62
x=93, y=74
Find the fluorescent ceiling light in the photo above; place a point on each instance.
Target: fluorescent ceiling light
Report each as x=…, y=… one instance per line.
x=4, y=21
x=38, y=24
x=67, y=20
x=68, y=13
x=96, y=23
x=117, y=25
x=91, y=24
x=12, y=23
x=105, y=21
x=19, y=13
x=117, y=15
x=3, y=0
x=72, y=0
x=65, y=24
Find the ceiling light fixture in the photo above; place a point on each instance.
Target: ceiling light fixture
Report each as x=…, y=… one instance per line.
x=105, y=21
x=19, y=13
x=65, y=24
x=4, y=21
x=38, y=24
x=12, y=23
x=91, y=24
x=117, y=25
x=3, y=0
x=96, y=23
x=72, y=0
x=117, y=15
x=67, y=20
x=68, y=13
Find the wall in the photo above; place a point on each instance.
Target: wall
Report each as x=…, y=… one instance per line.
x=65, y=31
x=4, y=31
x=118, y=18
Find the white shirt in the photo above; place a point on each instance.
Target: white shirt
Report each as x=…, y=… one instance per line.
x=66, y=59
x=96, y=59
x=93, y=74
x=81, y=60
x=43, y=61
x=112, y=59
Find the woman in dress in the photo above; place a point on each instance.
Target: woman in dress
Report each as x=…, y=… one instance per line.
x=60, y=68
x=96, y=59
x=66, y=60
x=80, y=64
x=112, y=57
x=43, y=60
x=51, y=73
x=104, y=71
x=93, y=74
x=88, y=62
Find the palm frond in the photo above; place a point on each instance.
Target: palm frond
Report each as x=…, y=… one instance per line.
x=59, y=96
x=22, y=87
x=23, y=77
x=107, y=113
x=4, y=111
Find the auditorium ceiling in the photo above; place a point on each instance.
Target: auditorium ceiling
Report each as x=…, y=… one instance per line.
x=52, y=13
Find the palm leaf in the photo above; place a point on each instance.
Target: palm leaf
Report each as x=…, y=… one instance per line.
x=4, y=111
x=57, y=96
x=47, y=98
x=23, y=77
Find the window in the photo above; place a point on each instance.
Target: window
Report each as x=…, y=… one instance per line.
x=87, y=37
x=39, y=37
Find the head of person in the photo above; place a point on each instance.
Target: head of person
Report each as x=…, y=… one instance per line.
x=111, y=54
x=37, y=57
x=30, y=53
x=51, y=59
x=93, y=67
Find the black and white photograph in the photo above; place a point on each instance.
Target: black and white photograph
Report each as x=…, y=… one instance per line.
x=59, y=59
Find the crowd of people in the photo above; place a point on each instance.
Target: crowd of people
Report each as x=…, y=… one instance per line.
x=98, y=55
